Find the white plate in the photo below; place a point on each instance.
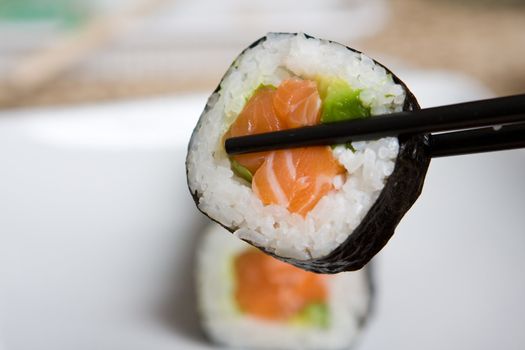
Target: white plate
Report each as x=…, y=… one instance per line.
x=98, y=233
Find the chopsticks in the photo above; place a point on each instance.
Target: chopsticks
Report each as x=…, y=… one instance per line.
x=478, y=140
x=490, y=112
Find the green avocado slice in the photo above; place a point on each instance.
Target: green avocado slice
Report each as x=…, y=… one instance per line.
x=259, y=87
x=241, y=171
x=314, y=315
x=340, y=101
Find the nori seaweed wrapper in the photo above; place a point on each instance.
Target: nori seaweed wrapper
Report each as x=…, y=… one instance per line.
x=401, y=190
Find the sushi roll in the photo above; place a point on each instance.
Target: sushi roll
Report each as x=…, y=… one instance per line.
x=326, y=209
x=248, y=299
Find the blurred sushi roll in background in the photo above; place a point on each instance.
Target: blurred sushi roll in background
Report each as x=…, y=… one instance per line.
x=248, y=299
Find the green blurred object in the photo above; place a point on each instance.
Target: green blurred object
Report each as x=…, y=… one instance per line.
x=315, y=315
x=66, y=12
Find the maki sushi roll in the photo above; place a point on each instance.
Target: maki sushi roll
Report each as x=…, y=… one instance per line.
x=249, y=299
x=325, y=208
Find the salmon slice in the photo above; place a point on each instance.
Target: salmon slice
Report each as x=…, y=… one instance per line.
x=258, y=116
x=297, y=178
x=297, y=102
x=274, y=290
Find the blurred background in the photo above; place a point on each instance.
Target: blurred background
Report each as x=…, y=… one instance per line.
x=70, y=51
x=98, y=232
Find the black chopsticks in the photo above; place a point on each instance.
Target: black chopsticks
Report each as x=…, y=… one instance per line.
x=488, y=139
x=490, y=112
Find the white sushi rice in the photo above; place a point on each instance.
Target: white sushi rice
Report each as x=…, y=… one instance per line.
x=230, y=200
x=348, y=303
